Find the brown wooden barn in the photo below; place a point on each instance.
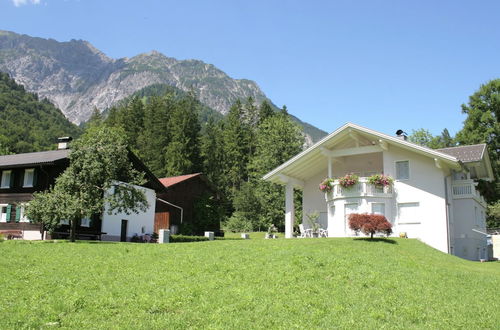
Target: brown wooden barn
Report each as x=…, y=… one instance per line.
x=184, y=192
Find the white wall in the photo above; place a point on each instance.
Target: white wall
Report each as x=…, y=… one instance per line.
x=465, y=242
x=313, y=199
x=111, y=224
x=427, y=188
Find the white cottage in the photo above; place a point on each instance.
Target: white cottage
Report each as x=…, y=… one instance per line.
x=433, y=197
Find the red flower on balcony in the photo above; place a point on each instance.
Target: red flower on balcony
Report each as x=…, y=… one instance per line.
x=348, y=180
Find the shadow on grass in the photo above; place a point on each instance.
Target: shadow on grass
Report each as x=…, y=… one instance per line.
x=376, y=239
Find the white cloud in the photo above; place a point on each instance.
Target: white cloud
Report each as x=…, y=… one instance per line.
x=19, y=3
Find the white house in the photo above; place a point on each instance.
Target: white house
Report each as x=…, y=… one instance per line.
x=433, y=197
x=121, y=226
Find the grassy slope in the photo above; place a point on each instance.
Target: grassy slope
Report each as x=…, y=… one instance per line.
x=237, y=284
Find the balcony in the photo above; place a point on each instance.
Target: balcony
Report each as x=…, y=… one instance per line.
x=360, y=189
x=466, y=189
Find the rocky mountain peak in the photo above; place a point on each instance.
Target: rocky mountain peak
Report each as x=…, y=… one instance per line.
x=77, y=77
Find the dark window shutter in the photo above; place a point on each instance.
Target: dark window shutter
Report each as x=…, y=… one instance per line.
x=35, y=175
x=21, y=179
x=9, y=210
x=18, y=213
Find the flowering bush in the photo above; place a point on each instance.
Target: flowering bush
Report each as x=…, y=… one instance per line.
x=326, y=185
x=380, y=180
x=348, y=180
x=369, y=224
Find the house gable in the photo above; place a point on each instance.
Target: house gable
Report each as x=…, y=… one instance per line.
x=349, y=140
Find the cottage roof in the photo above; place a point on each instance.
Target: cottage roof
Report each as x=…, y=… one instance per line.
x=173, y=180
x=33, y=158
x=467, y=154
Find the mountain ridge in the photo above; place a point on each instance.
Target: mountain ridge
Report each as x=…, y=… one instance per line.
x=77, y=77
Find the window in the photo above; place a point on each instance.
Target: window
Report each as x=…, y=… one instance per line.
x=403, y=170
x=378, y=208
x=3, y=213
x=408, y=213
x=29, y=175
x=64, y=222
x=85, y=222
x=6, y=179
x=348, y=209
x=22, y=215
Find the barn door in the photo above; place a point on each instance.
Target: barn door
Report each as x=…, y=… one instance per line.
x=162, y=221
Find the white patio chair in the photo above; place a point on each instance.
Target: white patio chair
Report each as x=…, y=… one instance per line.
x=323, y=232
x=305, y=232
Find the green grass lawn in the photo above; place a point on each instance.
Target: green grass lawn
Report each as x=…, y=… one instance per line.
x=301, y=283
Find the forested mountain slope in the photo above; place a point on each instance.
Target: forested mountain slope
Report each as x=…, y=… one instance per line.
x=27, y=123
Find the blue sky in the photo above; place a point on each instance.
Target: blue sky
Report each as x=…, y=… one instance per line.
x=381, y=64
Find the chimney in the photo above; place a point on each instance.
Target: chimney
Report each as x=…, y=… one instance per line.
x=401, y=135
x=63, y=142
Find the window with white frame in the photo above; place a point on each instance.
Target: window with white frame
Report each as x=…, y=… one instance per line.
x=378, y=208
x=29, y=176
x=349, y=208
x=403, y=170
x=3, y=212
x=408, y=213
x=23, y=217
x=85, y=222
x=6, y=175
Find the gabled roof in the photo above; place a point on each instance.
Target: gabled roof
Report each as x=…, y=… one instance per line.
x=304, y=164
x=173, y=180
x=33, y=158
x=466, y=154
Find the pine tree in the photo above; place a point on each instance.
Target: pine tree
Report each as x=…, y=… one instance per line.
x=278, y=139
x=182, y=154
x=265, y=111
x=155, y=136
x=235, y=144
x=212, y=152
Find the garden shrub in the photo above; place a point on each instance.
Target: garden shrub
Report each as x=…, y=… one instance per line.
x=369, y=224
x=185, y=238
x=238, y=223
x=1, y=238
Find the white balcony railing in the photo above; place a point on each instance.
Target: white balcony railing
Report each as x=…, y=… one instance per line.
x=360, y=189
x=466, y=189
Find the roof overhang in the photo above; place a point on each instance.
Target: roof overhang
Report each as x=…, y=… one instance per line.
x=301, y=166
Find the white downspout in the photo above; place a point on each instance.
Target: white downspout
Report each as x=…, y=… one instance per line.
x=180, y=208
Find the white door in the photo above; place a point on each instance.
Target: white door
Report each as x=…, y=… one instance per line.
x=348, y=209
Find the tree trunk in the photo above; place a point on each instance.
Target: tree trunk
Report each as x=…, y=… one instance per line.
x=72, y=232
x=371, y=235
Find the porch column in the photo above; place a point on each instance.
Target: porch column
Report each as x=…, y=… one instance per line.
x=289, y=210
x=330, y=173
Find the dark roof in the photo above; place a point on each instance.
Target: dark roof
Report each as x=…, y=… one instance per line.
x=466, y=154
x=33, y=158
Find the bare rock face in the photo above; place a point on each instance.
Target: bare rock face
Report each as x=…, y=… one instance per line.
x=77, y=77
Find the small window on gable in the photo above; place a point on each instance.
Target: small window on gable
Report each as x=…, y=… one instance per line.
x=6, y=175
x=403, y=170
x=29, y=176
